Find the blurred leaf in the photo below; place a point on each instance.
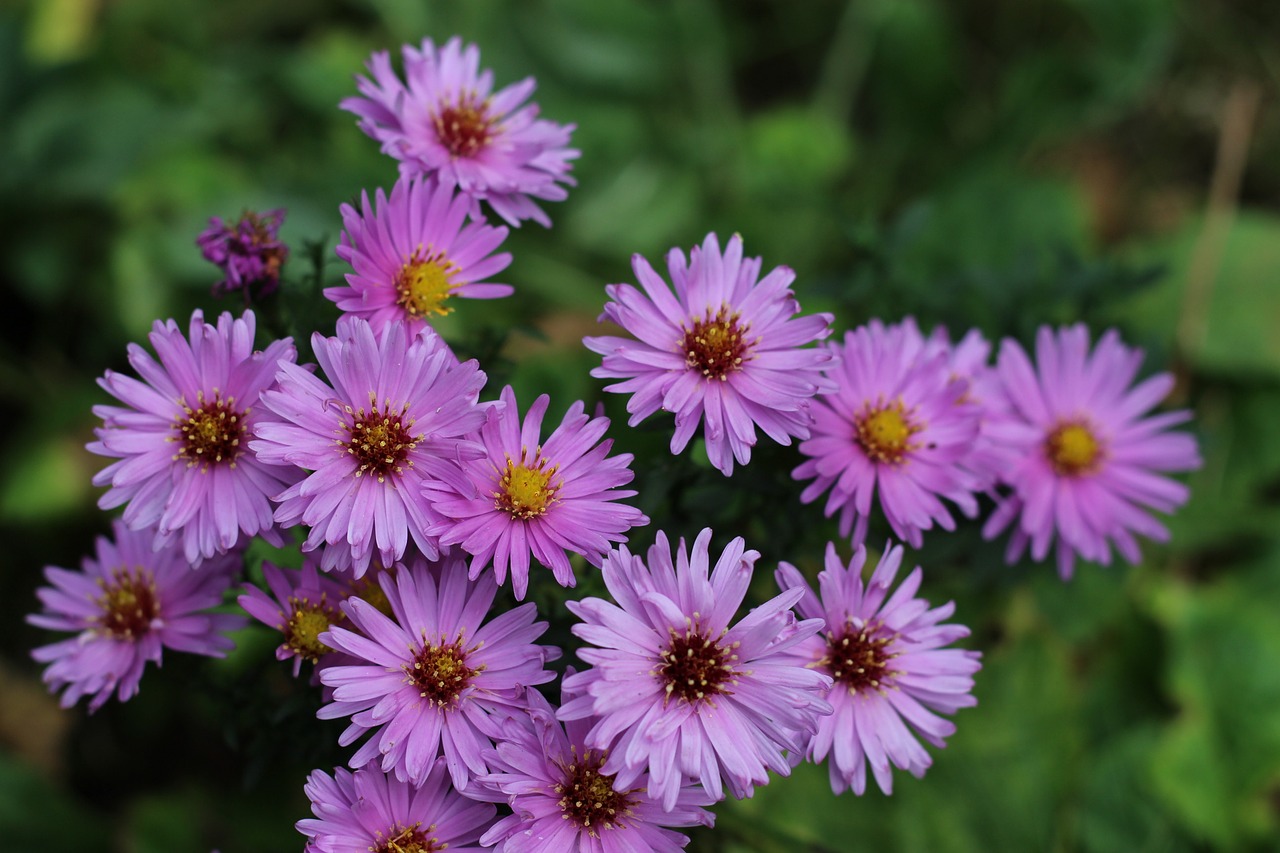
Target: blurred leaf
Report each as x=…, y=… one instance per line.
x=33, y=813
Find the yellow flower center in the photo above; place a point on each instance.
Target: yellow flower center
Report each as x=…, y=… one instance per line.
x=884, y=433
x=526, y=491
x=424, y=283
x=306, y=624
x=408, y=839
x=1073, y=449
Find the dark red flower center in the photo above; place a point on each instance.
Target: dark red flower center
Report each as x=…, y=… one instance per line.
x=859, y=658
x=210, y=433
x=441, y=672
x=408, y=839
x=380, y=440
x=715, y=346
x=588, y=798
x=696, y=667
x=129, y=602
x=884, y=432
x=1073, y=449
x=464, y=128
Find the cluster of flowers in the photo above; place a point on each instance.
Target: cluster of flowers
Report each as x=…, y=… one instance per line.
x=417, y=500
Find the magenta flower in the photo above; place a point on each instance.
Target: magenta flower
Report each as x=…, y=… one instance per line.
x=897, y=423
x=563, y=802
x=181, y=437
x=249, y=252
x=429, y=679
x=302, y=605
x=371, y=812
x=448, y=124
x=890, y=671
x=548, y=500
x=399, y=413
x=1087, y=454
x=125, y=608
x=724, y=347
x=679, y=690
x=411, y=253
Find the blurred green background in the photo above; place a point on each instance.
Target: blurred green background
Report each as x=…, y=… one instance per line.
x=999, y=163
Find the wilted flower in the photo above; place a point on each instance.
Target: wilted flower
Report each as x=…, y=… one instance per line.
x=249, y=252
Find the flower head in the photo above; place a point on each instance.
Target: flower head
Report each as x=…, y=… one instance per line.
x=429, y=679
x=1088, y=455
x=371, y=812
x=724, y=347
x=679, y=689
x=564, y=802
x=249, y=252
x=898, y=423
x=182, y=437
x=545, y=499
x=444, y=121
x=399, y=412
x=889, y=669
x=125, y=607
x=302, y=605
x=411, y=253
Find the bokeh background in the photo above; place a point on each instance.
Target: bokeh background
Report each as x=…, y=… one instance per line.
x=999, y=163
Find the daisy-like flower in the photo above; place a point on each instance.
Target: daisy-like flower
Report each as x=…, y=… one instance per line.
x=891, y=673
x=400, y=412
x=679, y=689
x=563, y=802
x=125, y=607
x=181, y=438
x=411, y=253
x=724, y=347
x=429, y=679
x=1088, y=455
x=445, y=121
x=249, y=252
x=371, y=812
x=302, y=605
x=547, y=500
x=898, y=423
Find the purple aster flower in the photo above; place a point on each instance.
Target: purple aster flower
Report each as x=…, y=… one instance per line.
x=125, y=608
x=897, y=423
x=302, y=605
x=371, y=812
x=249, y=252
x=890, y=671
x=399, y=412
x=1088, y=454
x=181, y=437
x=724, y=347
x=547, y=499
x=411, y=253
x=429, y=679
x=678, y=689
x=448, y=124
x=563, y=802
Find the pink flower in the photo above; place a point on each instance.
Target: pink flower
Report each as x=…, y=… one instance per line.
x=724, y=347
x=530, y=498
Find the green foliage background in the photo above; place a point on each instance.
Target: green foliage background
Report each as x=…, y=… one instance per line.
x=999, y=163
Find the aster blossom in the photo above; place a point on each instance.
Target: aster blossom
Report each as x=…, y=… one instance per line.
x=126, y=606
x=1089, y=457
x=181, y=439
x=564, y=803
x=541, y=499
x=898, y=425
x=248, y=251
x=444, y=121
x=679, y=689
x=403, y=411
x=718, y=344
x=411, y=253
x=371, y=812
x=301, y=604
x=891, y=673
x=428, y=679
